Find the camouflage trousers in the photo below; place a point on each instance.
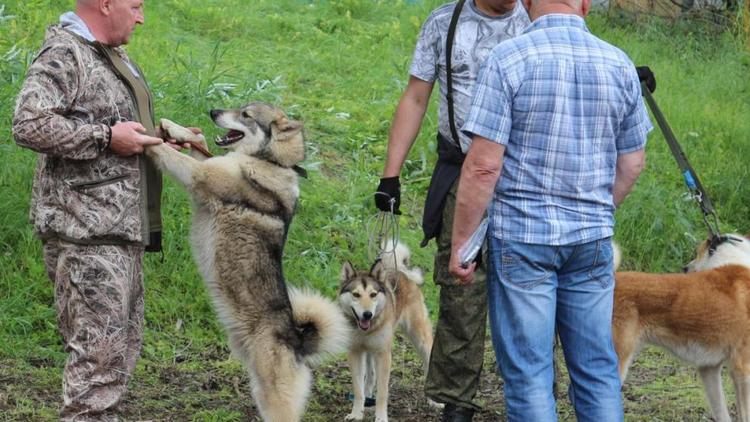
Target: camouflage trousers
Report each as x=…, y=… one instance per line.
x=99, y=303
x=458, y=349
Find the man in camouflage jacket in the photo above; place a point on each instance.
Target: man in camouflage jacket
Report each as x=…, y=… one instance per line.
x=89, y=195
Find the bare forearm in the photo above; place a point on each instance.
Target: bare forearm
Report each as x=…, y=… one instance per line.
x=479, y=174
x=629, y=167
x=406, y=124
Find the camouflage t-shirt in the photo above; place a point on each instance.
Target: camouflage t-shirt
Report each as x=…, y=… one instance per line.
x=476, y=34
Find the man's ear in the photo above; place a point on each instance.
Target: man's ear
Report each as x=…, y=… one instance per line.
x=105, y=6
x=282, y=128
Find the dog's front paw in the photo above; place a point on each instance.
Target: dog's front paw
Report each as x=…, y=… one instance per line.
x=180, y=133
x=381, y=418
x=355, y=416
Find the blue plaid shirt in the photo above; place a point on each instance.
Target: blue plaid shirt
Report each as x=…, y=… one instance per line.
x=565, y=104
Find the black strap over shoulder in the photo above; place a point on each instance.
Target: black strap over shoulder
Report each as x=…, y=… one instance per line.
x=449, y=70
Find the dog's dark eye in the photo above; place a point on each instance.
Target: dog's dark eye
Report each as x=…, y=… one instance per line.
x=373, y=294
x=355, y=294
x=245, y=114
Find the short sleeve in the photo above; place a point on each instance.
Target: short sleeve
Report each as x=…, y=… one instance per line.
x=636, y=124
x=490, y=113
x=424, y=64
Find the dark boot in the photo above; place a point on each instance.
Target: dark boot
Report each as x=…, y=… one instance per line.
x=453, y=413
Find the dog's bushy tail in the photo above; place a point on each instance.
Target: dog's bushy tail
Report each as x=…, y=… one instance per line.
x=324, y=329
x=399, y=258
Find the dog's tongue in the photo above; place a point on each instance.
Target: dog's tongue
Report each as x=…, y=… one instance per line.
x=364, y=325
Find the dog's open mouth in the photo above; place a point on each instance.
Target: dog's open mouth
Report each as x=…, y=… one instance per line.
x=364, y=325
x=231, y=137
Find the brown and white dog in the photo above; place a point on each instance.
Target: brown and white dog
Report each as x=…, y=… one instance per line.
x=702, y=317
x=377, y=302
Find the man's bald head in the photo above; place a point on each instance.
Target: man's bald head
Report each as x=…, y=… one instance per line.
x=539, y=8
x=111, y=21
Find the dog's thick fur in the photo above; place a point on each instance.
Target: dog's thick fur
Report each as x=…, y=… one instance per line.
x=243, y=205
x=703, y=317
x=377, y=301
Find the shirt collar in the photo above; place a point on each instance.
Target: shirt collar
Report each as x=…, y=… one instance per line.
x=73, y=23
x=556, y=20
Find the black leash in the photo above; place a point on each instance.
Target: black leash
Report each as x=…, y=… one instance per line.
x=691, y=178
x=449, y=71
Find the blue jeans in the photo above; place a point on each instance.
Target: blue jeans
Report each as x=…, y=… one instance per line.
x=531, y=289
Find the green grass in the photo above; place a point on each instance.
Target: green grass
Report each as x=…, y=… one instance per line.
x=340, y=66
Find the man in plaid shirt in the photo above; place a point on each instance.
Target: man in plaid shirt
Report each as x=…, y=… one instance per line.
x=560, y=112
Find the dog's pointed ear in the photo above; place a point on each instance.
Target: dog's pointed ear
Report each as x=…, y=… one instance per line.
x=385, y=275
x=347, y=272
x=282, y=128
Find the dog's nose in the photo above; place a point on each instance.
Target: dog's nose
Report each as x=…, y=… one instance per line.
x=367, y=315
x=685, y=269
x=215, y=114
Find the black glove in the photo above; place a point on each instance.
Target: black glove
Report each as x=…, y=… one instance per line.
x=389, y=188
x=646, y=75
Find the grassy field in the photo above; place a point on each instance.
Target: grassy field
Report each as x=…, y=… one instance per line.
x=340, y=66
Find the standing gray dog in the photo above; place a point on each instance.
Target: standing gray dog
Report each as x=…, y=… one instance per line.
x=243, y=204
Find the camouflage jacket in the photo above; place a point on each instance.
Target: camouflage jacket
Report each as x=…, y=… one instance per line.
x=82, y=191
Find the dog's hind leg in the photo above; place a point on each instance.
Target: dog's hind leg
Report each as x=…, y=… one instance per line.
x=741, y=380
x=416, y=324
x=281, y=387
x=711, y=378
x=626, y=336
x=357, y=367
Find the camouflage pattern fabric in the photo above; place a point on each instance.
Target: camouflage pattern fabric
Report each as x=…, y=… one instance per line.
x=99, y=302
x=82, y=190
x=458, y=348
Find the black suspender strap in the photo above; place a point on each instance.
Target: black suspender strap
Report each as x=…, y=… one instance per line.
x=449, y=70
x=691, y=178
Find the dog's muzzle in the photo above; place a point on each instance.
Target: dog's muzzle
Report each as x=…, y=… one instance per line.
x=364, y=322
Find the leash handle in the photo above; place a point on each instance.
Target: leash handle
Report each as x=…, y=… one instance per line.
x=691, y=178
x=198, y=147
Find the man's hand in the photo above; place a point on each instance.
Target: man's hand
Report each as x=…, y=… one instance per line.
x=463, y=275
x=128, y=138
x=646, y=75
x=388, y=195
